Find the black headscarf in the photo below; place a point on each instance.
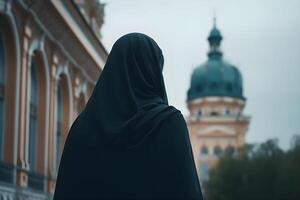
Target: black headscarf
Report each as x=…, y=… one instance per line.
x=130, y=93
x=129, y=143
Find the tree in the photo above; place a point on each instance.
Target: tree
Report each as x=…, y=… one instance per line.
x=257, y=172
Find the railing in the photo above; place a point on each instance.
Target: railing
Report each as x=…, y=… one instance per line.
x=35, y=181
x=6, y=172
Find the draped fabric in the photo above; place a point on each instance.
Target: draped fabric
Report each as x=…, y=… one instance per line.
x=130, y=92
x=124, y=122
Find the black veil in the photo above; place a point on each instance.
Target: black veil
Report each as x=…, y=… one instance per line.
x=130, y=94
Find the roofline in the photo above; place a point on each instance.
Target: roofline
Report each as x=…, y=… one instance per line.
x=89, y=27
x=86, y=43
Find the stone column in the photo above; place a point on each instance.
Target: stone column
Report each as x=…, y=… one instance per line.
x=22, y=177
x=52, y=128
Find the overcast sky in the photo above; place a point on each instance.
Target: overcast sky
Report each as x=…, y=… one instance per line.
x=261, y=37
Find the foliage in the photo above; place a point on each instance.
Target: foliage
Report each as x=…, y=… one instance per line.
x=257, y=172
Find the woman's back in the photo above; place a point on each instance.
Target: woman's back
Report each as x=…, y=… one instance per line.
x=161, y=167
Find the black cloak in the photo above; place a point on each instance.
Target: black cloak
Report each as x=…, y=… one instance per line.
x=128, y=143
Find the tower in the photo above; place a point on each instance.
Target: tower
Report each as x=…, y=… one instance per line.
x=216, y=102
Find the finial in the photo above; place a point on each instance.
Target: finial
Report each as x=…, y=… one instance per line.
x=215, y=19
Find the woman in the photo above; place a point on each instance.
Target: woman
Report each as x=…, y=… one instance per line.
x=128, y=143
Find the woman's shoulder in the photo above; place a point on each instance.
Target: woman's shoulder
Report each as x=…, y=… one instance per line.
x=175, y=121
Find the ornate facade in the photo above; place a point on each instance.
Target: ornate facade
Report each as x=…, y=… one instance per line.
x=216, y=102
x=51, y=56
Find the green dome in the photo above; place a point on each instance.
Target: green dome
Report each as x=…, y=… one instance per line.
x=215, y=35
x=215, y=77
x=215, y=32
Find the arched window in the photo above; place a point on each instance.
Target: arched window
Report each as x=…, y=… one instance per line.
x=33, y=117
x=59, y=121
x=199, y=113
x=214, y=113
x=204, y=150
x=229, y=151
x=227, y=111
x=62, y=115
x=2, y=92
x=217, y=151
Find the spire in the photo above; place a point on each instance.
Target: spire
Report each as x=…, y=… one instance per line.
x=215, y=20
x=214, y=40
